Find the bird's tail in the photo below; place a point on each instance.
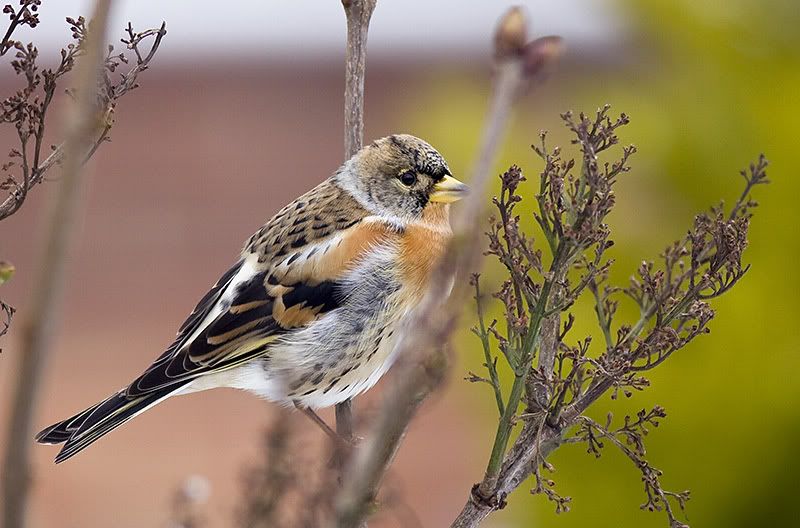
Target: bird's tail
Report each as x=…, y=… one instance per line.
x=81, y=430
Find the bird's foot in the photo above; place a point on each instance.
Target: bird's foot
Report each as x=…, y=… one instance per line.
x=345, y=444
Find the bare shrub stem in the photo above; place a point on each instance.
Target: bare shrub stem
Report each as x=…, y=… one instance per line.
x=43, y=311
x=358, y=14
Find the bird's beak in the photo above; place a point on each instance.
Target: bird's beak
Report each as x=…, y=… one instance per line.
x=448, y=190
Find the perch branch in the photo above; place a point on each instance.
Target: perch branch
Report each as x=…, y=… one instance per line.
x=358, y=14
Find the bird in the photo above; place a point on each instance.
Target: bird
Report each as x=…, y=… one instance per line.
x=310, y=313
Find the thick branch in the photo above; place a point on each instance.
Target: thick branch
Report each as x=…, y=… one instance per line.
x=548, y=347
x=43, y=313
x=534, y=444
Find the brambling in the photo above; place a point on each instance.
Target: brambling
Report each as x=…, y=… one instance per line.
x=310, y=313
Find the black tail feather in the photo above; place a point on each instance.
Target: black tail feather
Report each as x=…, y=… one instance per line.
x=83, y=429
x=62, y=431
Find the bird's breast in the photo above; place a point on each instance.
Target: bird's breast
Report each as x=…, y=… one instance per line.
x=419, y=252
x=348, y=349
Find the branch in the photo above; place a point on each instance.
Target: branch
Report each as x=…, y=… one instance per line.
x=629, y=440
x=433, y=323
x=110, y=93
x=358, y=14
x=26, y=16
x=483, y=335
x=673, y=312
x=43, y=309
x=534, y=443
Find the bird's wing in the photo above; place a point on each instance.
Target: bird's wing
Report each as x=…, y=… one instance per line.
x=283, y=282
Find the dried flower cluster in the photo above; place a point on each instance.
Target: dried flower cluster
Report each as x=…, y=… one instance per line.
x=27, y=109
x=555, y=380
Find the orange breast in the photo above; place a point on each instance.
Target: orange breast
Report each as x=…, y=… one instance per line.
x=422, y=246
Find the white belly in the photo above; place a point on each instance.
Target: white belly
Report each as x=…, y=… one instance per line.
x=257, y=377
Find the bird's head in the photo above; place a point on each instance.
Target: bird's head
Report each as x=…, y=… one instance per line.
x=401, y=176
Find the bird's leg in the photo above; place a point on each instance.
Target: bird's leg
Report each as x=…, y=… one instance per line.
x=337, y=439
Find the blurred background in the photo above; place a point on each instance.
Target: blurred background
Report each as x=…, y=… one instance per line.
x=242, y=111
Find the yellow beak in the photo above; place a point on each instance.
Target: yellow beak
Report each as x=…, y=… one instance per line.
x=448, y=190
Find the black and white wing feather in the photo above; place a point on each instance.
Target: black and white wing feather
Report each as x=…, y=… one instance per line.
x=287, y=278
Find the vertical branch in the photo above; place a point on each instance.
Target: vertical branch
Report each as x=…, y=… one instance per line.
x=38, y=326
x=344, y=420
x=548, y=347
x=358, y=14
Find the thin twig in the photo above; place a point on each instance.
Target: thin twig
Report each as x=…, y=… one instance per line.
x=483, y=334
x=602, y=316
x=34, y=175
x=23, y=16
x=358, y=14
x=43, y=311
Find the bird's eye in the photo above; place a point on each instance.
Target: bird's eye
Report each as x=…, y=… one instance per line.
x=408, y=178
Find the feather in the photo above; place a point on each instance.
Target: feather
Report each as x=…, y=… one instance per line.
x=249, y=307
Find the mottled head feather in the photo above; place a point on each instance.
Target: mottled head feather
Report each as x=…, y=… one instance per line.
x=374, y=176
